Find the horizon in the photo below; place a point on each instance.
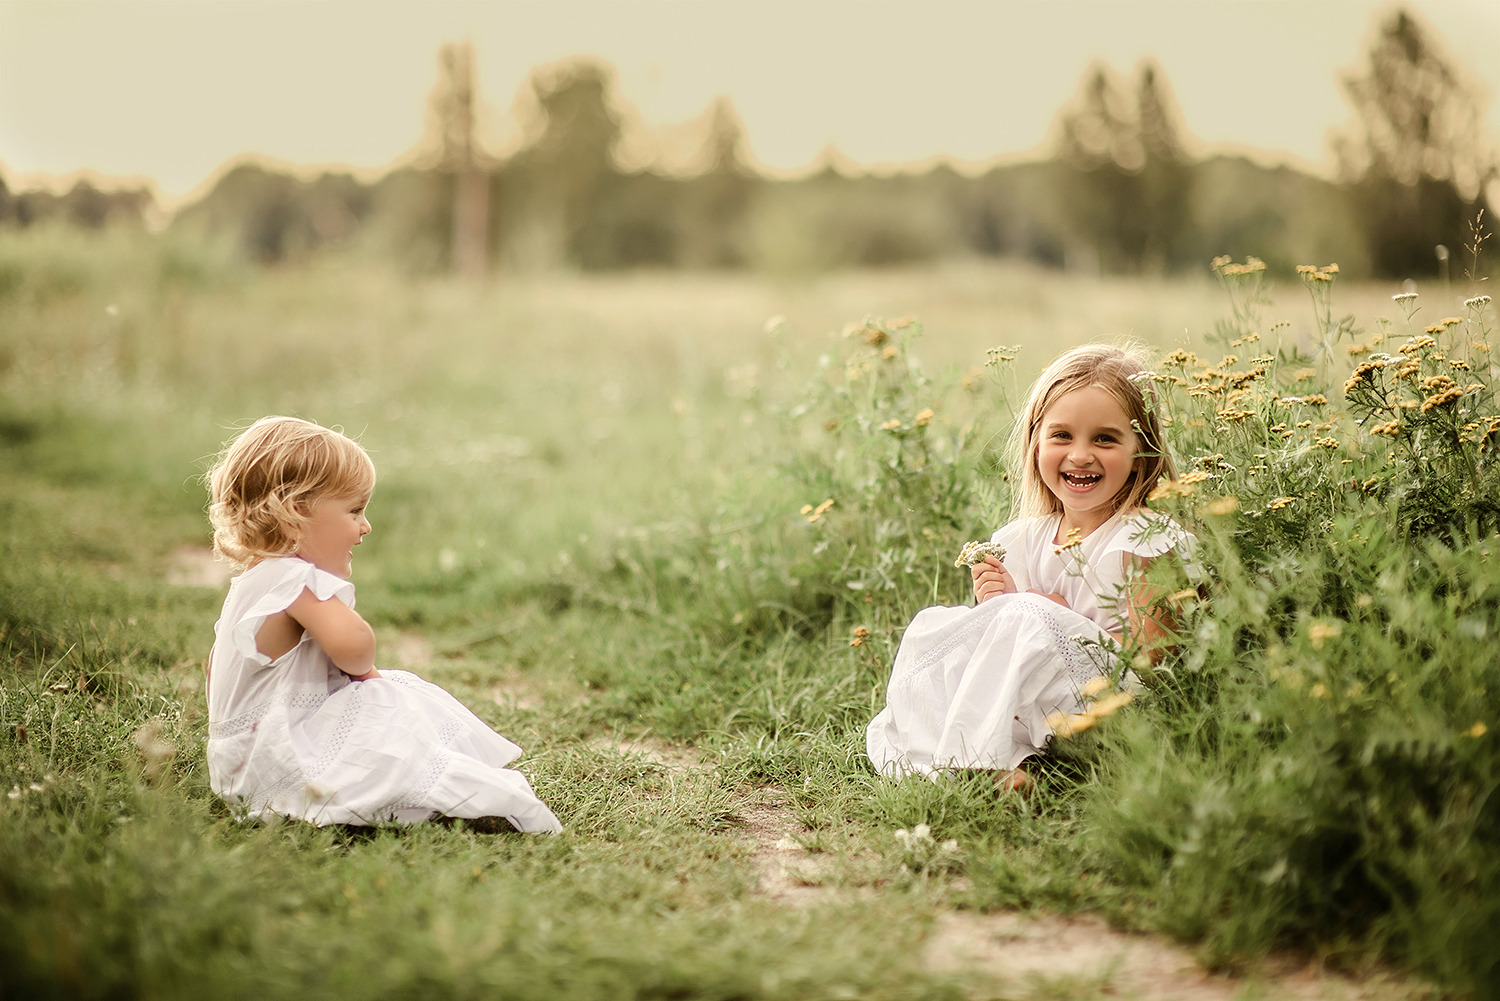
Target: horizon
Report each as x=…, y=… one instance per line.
x=882, y=93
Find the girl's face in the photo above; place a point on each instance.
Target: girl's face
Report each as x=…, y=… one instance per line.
x=1084, y=454
x=335, y=525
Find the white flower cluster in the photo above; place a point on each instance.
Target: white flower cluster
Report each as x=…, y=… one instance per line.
x=976, y=552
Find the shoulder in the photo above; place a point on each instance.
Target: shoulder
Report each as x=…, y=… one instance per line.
x=286, y=577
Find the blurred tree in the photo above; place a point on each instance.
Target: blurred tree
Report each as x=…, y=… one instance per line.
x=717, y=197
x=1417, y=162
x=1125, y=182
x=458, y=154
x=560, y=180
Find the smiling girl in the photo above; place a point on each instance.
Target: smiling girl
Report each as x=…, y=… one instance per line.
x=974, y=687
x=301, y=724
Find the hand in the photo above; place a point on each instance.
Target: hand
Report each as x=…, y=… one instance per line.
x=991, y=578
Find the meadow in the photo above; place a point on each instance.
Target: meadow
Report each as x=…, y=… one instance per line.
x=664, y=530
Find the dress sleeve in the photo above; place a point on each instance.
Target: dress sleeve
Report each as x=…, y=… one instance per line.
x=292, y=577
x=1149, y=534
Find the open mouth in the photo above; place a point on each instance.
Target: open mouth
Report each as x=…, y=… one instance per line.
x=1081, y=479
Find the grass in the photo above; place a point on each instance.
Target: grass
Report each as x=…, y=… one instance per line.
x=590, y=527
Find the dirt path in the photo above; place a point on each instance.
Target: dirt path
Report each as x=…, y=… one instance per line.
x=1047, y=955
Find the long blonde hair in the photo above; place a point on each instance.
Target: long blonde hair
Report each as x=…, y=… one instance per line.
x=262, y=482
x=1122, y=372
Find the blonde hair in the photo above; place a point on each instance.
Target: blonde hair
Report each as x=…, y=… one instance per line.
x=262, y=482
x=1120, y=371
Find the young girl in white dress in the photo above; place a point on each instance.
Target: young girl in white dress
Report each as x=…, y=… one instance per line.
x=973, y=687
x=301, y=723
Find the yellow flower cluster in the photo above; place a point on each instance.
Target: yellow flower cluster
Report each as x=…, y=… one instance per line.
x=1224, y=266
x=1067, y=724
x=1312, y=274
x=816, y=513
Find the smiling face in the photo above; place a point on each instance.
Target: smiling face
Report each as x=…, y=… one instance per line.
x=335, y=525
x=1085, y=453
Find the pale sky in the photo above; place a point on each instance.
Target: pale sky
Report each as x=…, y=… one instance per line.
x=172, y=90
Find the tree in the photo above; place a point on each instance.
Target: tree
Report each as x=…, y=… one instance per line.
x=458, y=154
x=1417, y=161
x=1123, y=178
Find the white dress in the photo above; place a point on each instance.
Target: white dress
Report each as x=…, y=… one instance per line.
x=972, y=686
x=296, y=737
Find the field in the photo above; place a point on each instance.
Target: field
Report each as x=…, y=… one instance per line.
x=602, y=523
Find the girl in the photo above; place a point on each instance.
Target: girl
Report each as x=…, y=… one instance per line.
x=972, y=687
x=301, y=723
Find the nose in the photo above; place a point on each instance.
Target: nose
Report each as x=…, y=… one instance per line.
x=1080, y=454
x=364, y=526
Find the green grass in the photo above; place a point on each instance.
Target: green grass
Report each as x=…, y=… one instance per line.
x=587, y=527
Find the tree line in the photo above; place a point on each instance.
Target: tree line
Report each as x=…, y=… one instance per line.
x=1119, y=194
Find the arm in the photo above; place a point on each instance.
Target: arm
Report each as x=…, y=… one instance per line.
x=991, y=578
x=342, y=633
x=1148, y=616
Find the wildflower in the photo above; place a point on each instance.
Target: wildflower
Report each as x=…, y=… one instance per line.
x=1442, y=399
x=1319, y=633
x=1477, y=730
x=1404, y=297
x=1067, y=724
x=1318, y=691
x=1328, y=443
x=1304, y=373
x=891, y=351
x=1278, y=427
x=923, y=418
x=1417, y=344
x=902, y=321
x=1280, y=502
x=1392, y=429
x=1196, y=476
x=1307, y=269
x=1304, y=424
x=1075, y=540
x=1436, y=382
x=1169, y=488
x=1315, y=400
x=1094, y=686
x=816, y=513
x=891, y=424
x=976, y=552
x=1477, y=303
x=860, y=635
x=1452, y=321
x=1219, y=262
x=1436, y=328
x=1182, y=358
x=1357, y=349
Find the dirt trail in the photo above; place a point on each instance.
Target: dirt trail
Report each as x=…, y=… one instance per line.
x=1056, y=956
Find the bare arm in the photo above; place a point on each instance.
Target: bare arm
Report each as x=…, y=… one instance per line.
x=991, y=578
x=342, y=633
x=1148, y=615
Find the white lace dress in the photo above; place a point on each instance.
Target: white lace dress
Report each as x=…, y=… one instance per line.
x=295, y=737
x=972, y=686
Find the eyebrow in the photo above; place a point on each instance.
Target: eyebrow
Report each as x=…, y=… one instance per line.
x=1051, y=425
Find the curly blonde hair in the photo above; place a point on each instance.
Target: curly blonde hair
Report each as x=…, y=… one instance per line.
x=261, y=484
x=1123, y=372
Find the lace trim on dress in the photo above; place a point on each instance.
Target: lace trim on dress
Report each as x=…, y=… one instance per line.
x=247, y=721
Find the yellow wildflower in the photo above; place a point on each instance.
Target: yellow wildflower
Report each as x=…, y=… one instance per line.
x=891, y=424
x=816, y=513
x=1321, y=632
x=860, y=635
x=1280, y=502
x=1477, y=730
x=923, y=418
x=1224, y=505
